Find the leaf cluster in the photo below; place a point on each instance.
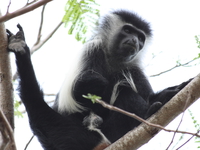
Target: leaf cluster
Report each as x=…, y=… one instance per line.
x=198, y=45
x=92, y=97
x=196, y=125
x=16, y=107
x=81, y=16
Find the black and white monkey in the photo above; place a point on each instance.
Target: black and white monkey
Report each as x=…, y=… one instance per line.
x=108, y=68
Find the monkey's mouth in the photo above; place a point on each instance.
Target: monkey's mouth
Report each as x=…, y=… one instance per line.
x=131, y=45
x=129, y=48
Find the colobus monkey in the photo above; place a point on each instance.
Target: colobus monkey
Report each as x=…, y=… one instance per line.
x=108, y=68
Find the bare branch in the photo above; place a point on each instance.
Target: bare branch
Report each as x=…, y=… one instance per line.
x=186, y=141
x=41, y=43
x=176, y=132
x=178, y=65
x=24, y=10
x=8, y=7
x=185, y=107
x=27, y=3
x=7, y=132
x=41, y=25
x=5, y=138
x=139, y=118
x=29, y=142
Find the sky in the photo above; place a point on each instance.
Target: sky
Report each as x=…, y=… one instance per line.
x=174, y=24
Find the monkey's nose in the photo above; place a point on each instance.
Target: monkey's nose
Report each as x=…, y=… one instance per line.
x=134, y=40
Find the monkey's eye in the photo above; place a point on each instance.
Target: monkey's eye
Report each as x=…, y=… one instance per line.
x=141, y=38
x=127, y=29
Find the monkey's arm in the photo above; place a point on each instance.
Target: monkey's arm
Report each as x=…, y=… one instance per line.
x=30, y=92
x=53, y=130
x=157, y=100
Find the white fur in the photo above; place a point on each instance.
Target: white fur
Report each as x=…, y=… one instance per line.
x=104, y=139
x=115, y=93
x=93, y=127
x=66, y=102
x=128, y=79
x=96, y=42
x=17, y=45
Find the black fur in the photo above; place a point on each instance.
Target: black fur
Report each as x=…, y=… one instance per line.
x=134, y=19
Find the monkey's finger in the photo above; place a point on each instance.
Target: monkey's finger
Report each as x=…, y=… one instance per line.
x=19, y=27
x=20, y=33
x=9, y=34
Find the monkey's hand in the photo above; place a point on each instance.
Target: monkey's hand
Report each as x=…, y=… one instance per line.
x=91, y=82
x=159, y=99
x=16, y=43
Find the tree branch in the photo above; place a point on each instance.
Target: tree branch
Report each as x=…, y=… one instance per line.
x=29, y=142
x=186, y=141
x=22, y=11
x=7, y=133
x=143, y=133
x=41, y=25
x=41, y=43
x=141, y=119
x=176, y=66
x=8, y=7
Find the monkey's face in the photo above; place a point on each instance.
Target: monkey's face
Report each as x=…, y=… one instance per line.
x=127, y=43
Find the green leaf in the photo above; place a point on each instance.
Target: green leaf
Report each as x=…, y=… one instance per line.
x=16, y=108
x=92, y=97
x=196, y=125
x=80, y=17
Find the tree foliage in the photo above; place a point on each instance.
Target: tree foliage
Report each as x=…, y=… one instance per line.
x=80, y=16
x=198, y=44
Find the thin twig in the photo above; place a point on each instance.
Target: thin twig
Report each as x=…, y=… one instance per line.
x=186, y=141
x=185, y=107
x=41, y=25
x=176, y=130
x=23, y=10
x=8, y=7
x=39, y=45
x=7, y=129
x=27, y=3
x=5, y=138
x=29, y=142
x=176, y=66
x=140, y=119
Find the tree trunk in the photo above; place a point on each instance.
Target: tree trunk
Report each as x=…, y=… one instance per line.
x=6, y=89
